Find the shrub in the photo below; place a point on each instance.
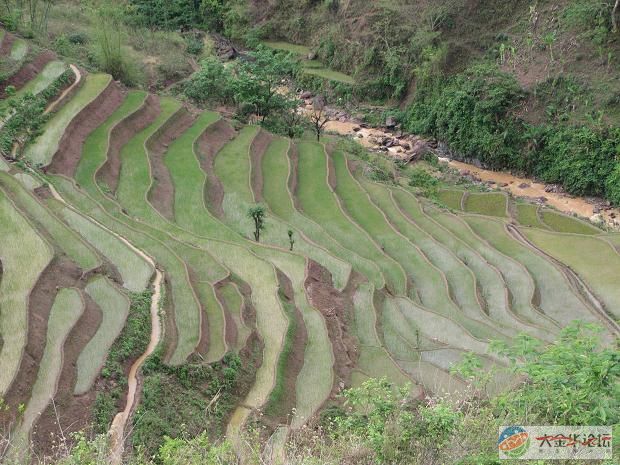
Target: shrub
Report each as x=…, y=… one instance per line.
x=211, y=83
x=421, y=179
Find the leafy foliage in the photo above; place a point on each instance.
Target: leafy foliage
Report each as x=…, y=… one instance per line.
x=128, y=346
x=197, y=397
x=26, y=115
x=574, y=381
x=476, y=114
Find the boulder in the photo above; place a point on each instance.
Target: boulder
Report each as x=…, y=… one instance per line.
x=390, y=122
x=357, y=129
x=306, y=95
x=312, y=56
x=523, y=185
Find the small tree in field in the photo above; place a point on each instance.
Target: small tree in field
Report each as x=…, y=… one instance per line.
x=291, y=241
x=257, y=213
x=318, y=116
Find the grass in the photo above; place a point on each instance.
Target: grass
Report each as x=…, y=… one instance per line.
x=527, y=215
x=41, y=151
x=461, y=282
x=489, y=283
x=232, y=166
x=48, y=75
x=234, y=303
x=4, y=166
x=450, y=198
x=133, y=184
x=19, y=49
x=187, y=312
x=66, y=239
x=374, y=359
x=135, y=176
x=404, y=339
x=315, y=380
x=66, y=311
x=557, y=298
x=438, y=327
x=275, y=169
x=95, y=146
x=215, y=321
x=134, y=270
x=329, y=74
x=114, y=307
x=364, y=213
x=314, y=67
x=319, y=203
x=271, y=321
x=301, y=50
x=566, y=224
x=592, y=259
x=20, y=245
x=28, y=181
x=486, y=203
x=521, y=286
x=188, y=179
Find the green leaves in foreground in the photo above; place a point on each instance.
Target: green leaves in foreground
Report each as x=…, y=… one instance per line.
x=574, y=381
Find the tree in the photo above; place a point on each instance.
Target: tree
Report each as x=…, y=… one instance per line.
x=614, y=20
x=291, y=241
x=574, y=381
x=257, y=79
x=212, y=83
x=257, y=214
x=318, y=116
x=32, y=14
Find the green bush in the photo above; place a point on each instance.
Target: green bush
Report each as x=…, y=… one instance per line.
x=424, y=181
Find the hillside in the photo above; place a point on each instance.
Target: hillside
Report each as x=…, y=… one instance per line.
x=173, y=277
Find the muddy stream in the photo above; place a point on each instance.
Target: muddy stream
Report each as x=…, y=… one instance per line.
x=517, y=186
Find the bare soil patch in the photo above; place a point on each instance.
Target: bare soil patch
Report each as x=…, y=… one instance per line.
x=208, y=145
x=69, y=413
x=336, y=307
x=170, y=328
x=257, y=150
x=69, y=151
x=43, y=192
x=161, y=194
x=7, y=44
x=120, y=135
x=60, y=273
x=203, y=344
x=231, y=334
x=27, y=72
x=295, y=357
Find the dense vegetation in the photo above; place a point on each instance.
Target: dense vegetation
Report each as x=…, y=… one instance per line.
x=377, y=423
x=474, y=113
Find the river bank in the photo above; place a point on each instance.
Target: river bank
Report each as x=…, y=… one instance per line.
x=405, y=147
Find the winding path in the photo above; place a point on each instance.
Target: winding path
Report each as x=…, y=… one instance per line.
x=116, y=433
x=117, y=430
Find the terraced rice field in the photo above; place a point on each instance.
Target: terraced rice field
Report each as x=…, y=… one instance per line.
x=377, y=282
x=490, y=204
x=562, y=223
x=528, y=215
x=313, y=67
